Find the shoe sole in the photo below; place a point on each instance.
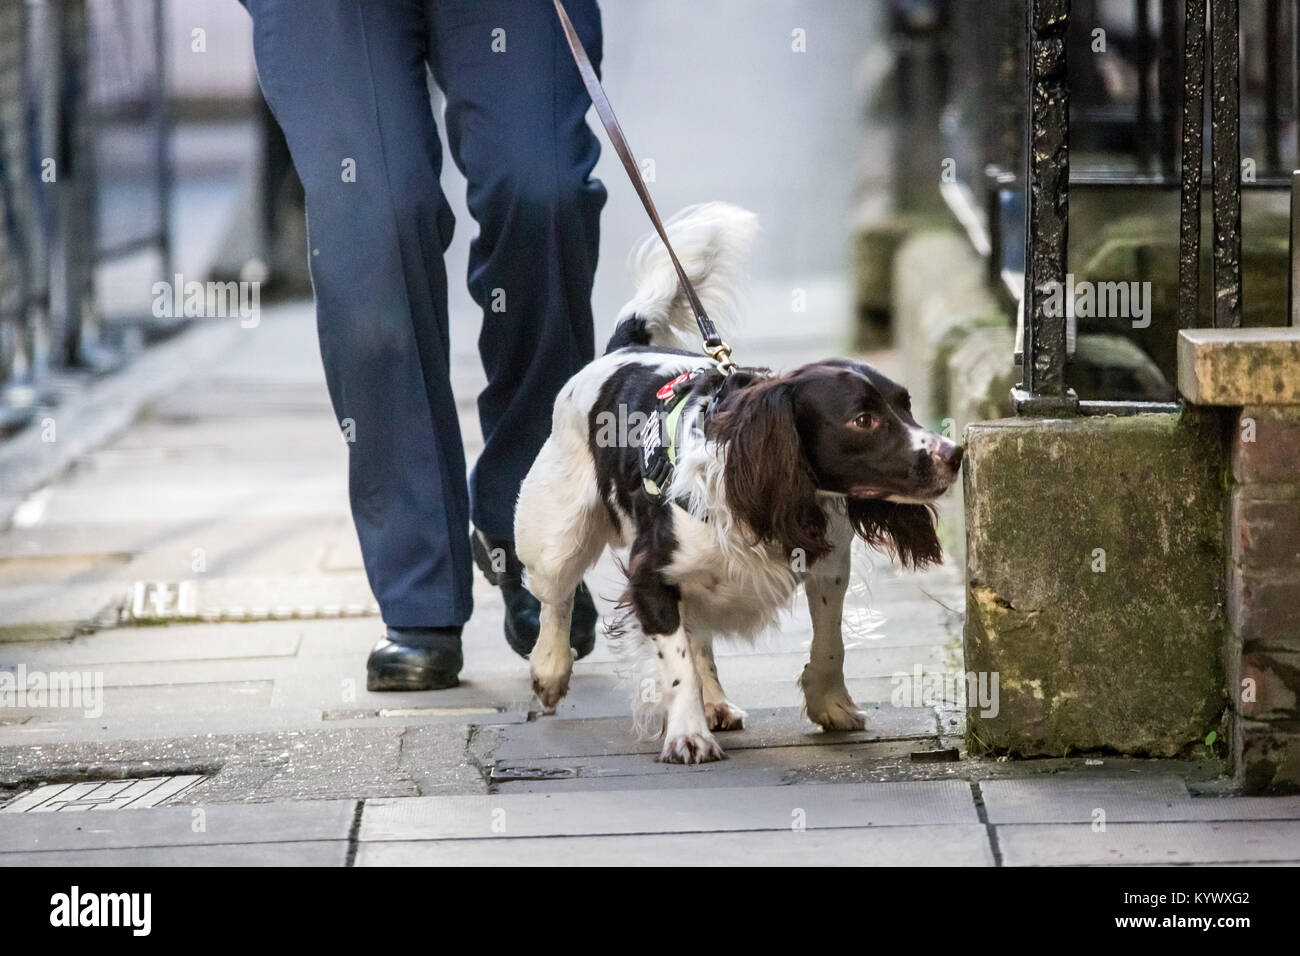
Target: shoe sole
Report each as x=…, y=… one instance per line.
x=410, y=682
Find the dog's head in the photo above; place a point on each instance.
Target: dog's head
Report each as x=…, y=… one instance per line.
x=842, y=428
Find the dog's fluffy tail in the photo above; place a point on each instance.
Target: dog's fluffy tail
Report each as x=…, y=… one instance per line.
x=713, y=241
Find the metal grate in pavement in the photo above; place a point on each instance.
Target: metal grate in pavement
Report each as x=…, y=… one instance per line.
x=101, y=795
x=301, y=597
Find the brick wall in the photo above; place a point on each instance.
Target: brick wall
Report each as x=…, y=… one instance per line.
x=1264, y=595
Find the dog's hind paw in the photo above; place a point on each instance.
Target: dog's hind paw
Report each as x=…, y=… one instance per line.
x=551, y=687
x=691, y=748
x=724, y=715
x=550, y=695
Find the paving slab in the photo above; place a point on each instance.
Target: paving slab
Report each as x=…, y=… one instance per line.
x=1143, y=800
x=753, y=777
x=35, y=612
x=676, y=811
x=289, y=853
x=152, y=703
x=180, y=668
x=1149, y=843
x=782, y=663
x=597, y=692
x=951, y=845
x=381, y=759
x=849, y=761
x=153, y=645
x=106, y=409
x=230, y=545
x=178, y=826
x=1073, y=797
x=784, y=727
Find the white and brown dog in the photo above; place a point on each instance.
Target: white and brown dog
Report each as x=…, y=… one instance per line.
x=729, y=490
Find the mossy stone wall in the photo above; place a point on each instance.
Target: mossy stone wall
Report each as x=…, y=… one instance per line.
x=1095, y=555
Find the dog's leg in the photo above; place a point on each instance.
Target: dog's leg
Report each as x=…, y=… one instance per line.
x=561, y=528
x=826, y=699
x=657, y=603
x=719, y=713
x=686, y=730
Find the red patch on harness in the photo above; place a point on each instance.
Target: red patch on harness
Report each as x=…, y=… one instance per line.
x=666, y=391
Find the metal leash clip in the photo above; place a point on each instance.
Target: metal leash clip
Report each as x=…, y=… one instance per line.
x=721, y=354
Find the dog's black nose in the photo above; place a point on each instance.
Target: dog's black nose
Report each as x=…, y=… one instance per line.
x=949, y=455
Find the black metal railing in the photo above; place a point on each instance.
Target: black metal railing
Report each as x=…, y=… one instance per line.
x=1043, y=386
x=78, y=79
x=1035, y=118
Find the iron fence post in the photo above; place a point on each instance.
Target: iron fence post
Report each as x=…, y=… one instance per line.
x=163, y=134
x=1042, y=389
x=1293, y=275
x=1167, y=80
x=1225, y=150
x=1189, y=220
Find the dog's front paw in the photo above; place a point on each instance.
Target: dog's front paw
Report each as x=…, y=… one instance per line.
x=838, y=713
x=828, y=704
x=551, y=677
x=724, y=715
x=690, y=748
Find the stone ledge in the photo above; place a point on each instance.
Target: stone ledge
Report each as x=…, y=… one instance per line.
x=1239, y=366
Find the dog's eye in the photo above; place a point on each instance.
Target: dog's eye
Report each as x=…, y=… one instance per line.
x=865, y=422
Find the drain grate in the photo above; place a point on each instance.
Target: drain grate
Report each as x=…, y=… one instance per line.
x=297, y=597
x=135, y=794
x=363, y=713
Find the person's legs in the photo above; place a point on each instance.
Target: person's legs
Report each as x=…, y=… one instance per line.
x=516, y=125
x=346, y=79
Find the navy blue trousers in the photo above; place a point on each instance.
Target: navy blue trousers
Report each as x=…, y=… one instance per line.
x=346, y=79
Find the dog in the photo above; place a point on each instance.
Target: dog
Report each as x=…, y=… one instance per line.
x=729, y=490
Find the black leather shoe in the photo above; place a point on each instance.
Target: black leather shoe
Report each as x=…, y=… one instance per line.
x=416, y=658
x=582, y=626
x=523, y=611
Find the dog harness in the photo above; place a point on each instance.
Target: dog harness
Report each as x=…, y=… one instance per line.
x=661, y=435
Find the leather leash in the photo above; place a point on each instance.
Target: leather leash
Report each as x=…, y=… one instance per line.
x=716, y=348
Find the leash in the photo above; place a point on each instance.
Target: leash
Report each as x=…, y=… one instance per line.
x=717, y=349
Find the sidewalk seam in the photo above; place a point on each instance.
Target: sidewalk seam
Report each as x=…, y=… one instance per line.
x=354, y=834
x=978, y=796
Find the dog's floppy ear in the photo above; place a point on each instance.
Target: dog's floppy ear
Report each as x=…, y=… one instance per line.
x=769, y=483
x=905, y=531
